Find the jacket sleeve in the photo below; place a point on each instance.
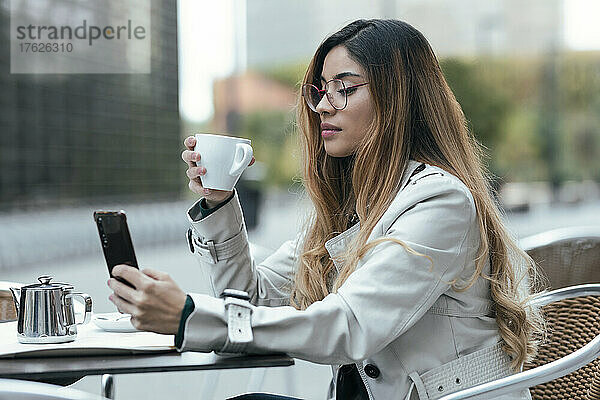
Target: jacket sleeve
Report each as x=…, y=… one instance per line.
x=390, y=290
x=268, y=283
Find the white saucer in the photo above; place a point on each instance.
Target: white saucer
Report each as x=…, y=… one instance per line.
x=114, y=322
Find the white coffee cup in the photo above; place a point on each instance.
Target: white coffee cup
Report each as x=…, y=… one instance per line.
x=224, y=157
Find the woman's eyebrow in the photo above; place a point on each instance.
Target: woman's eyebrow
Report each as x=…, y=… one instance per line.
x=341, y=75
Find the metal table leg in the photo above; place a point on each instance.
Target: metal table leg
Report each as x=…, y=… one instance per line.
x=108, y=386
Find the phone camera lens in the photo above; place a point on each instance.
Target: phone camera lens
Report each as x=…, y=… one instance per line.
x=99, y=219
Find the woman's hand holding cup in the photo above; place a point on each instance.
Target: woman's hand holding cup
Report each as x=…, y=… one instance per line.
x=194, y=172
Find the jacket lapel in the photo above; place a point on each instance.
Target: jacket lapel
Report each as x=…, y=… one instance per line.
x=337, y=244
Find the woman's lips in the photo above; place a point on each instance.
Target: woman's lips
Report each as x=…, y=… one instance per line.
x=329, y=132
x=328, y=129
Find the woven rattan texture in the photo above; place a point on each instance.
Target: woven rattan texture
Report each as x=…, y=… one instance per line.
x=569, y=262
x=7, y=307
x=572, y=323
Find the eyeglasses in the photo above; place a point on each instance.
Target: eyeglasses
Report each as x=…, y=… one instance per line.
x=336, y=90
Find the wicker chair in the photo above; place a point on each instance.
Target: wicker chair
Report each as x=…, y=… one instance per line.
x=573, y=344
x=8, y=311
x=567, y=256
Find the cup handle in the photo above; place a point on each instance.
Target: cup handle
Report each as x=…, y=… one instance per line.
x=243, y=153
x=87, y=300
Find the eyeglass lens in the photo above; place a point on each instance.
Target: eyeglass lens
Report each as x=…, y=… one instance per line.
x=336, y=94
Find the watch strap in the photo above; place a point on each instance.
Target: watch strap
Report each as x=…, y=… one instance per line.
x=239, y=324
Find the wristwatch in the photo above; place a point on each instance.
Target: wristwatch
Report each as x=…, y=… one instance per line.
x=239, y=322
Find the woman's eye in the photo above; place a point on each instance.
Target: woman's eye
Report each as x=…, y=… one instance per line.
x=350, y=90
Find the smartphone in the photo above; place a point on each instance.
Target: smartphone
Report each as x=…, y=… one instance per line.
x=116, y=240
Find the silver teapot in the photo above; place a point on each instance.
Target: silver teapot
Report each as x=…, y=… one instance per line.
x=46, y=313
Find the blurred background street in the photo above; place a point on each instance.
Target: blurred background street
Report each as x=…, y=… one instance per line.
x=527, y=75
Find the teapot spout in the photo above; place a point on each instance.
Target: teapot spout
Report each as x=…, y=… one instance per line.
x=16, y=294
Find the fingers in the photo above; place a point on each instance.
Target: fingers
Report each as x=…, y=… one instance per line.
x=131, y=275
x=156, y=303
x=196, y=187
x=190, y=157
x=195, y=172
x=154, y=274
x=122, y=305
x=122, y=290
x=190, y=142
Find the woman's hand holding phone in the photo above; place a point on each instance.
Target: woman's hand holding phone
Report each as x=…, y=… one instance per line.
x=155, y=301
x=213, y=197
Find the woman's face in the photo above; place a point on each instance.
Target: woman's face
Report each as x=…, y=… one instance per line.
x=349, y=124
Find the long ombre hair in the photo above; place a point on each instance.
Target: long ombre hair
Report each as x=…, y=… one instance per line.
x=416, y=116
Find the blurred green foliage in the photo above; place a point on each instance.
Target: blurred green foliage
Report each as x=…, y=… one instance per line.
x=290, y=74
x=274, y=143
x=535, y=125
x=485, y=103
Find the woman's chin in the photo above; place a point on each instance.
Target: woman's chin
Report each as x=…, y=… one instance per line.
x=337, y=151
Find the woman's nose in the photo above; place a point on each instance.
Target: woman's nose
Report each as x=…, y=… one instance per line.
x=325, y=106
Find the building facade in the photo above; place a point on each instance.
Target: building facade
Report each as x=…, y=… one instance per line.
x=83, y=138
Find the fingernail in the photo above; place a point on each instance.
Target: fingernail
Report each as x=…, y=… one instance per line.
x=108, y=282
x=206, y=191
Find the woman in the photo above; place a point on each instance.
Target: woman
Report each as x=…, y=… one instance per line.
x=404, y=279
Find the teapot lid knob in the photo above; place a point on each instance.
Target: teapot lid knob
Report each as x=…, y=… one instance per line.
x=45, y=279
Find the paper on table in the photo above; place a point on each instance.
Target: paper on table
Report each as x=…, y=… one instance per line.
x=91, y=340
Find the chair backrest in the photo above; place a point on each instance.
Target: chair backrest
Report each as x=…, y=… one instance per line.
x=567, y=256
x=567, y=365
x=14, y=389
x=8, y=311
x=571, y=324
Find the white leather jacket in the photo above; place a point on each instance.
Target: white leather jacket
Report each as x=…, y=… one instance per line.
x=409, y=333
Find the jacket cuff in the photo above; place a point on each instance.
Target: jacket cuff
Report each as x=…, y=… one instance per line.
x=188, y=308
x=201, y=210
x=224, y=222
x=206, y=327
